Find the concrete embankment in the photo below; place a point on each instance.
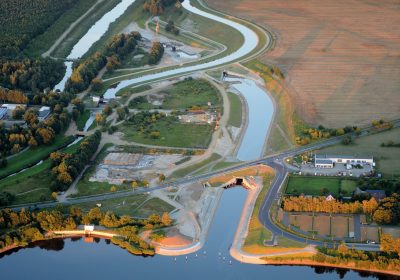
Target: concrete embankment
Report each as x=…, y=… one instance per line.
x=94, y=233
x=199, y=241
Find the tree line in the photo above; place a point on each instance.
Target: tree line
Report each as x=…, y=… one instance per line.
x=66, y=167
x=116, y=49
x=387, y=259
x=386, y=212
x=24, y=227
x=23, y=20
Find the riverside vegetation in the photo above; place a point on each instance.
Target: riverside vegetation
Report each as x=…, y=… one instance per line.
x=21, y=228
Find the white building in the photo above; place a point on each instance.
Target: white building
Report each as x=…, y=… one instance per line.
x=328, y=161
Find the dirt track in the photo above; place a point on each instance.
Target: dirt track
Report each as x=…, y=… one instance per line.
x=341, y=58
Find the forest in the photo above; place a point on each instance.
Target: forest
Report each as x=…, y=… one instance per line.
x=85, y=71
x=23, y=20
x=66, y=167
x=157, y=7
x=32, y=75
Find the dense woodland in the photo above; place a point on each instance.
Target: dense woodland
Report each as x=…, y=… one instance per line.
x=22, y=20
x=85, y=71
x=156, y=53
x=32, y=75
x=66, y=167
x=24, y=227
x=387, y=259
x=386, y=212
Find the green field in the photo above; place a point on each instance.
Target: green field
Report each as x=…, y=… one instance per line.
x=235, y=117
x=387, y=158
x=139, y=205
x=82, y=119
x=297, y=185
x=184, y=171
x=172, y=135
x=257, y=233
x=32, y=185
x=32, y=156
x=184, y=95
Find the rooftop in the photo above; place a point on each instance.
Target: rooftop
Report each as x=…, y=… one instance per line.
x=342, y=156
x=323, y=161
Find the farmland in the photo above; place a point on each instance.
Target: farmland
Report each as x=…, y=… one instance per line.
x=340, y=64
x=315, y=185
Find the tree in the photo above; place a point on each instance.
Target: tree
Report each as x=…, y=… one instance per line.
x=107, y=110
x=369, y=206
x=166, y=219
x=97, y=84
x=99, y=119
x=113, y=189
x=121, y=113
x=134, y=185
x=389, y=245
x=54, y=195
x=161, y=177
x=32, y=142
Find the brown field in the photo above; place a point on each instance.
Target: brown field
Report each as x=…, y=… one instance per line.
x=304, y=222
x=322, y=225
x=340, y=226
x=341, y=58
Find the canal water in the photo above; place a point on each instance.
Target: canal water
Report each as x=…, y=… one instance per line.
x=260, y=113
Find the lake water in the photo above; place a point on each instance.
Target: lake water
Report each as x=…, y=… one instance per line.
x=67, y=259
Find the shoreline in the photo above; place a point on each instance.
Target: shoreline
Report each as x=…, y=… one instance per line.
x=242, y=231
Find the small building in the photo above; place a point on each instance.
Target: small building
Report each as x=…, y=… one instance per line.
x=89, y=228
x=323, y=163
x=43, y=113
x=330, y=198
x=377, y=194
x=96, y=100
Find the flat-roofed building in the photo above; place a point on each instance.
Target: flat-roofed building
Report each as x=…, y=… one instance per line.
x=43, y=113
x=328, y=161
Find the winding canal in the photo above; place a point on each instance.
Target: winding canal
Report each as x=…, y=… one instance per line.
x=75, y=259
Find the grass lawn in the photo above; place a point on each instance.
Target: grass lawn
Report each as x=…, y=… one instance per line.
x=310, y=185
x=257, y=233
x=82, y=119
x=347, y=187
x=186, y=94
x=235, y=118
x=184, y=171
x=172, y=134
x=387, y=158
x=222, y=165
x=139, y=205
x=32, y=156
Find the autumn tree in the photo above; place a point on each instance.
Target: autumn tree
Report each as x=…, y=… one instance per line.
x=166, y=219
